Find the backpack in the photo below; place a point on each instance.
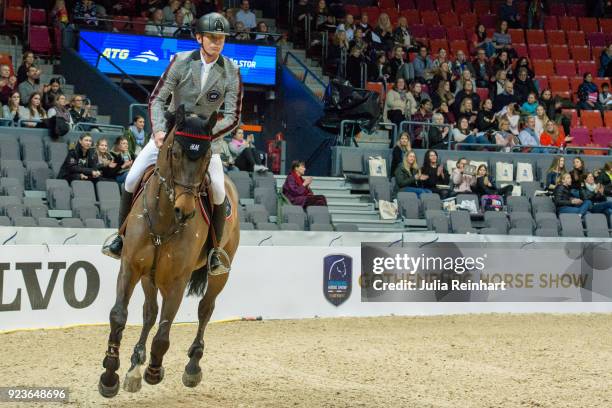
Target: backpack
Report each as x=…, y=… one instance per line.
x=491, y=202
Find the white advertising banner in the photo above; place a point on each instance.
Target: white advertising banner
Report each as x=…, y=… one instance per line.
x=58, y=285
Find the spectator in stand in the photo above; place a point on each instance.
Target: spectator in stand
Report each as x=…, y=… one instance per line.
x=588, y=94
x=359, y=41
x=399, y=151
x=503, y=62
x=467, y=92
x=577, y=173
x=509, y=13
x=60, y=110
x=30, y=85
x=396, y=61
x=416, y=96
x=541, y=119
x=241, y=33
x=81, y=162
x=136, y=135
x=328, y=25
x=461, y=65
x=497, y=85
x=437, y=136
x=605, y=97
x=230, y=15
x=511, y=112
x=348, y=25
x=182, y=31
x=170, y=11
x=8, y=84
x=339, y=46
x=406, y=71
x=501, y=39
x=379, y=71
x=503, y=136
x=481, y=41
x=35, y=111
x=485, y=184
x=247, y=16
x=466, y=110
x=204, y=7
x=556, y=169
x=436, y=174
x=553, y=135
x=401, y=35
x=465, y=77
x=382, y=35
x=423, y=65
x=13, y=109
x=51, y=92
x=28, y=61
x=443, y=94
x=524, y=86
x=189, y=12
x=59, y=14
x=528, y=136
x=604, y=177
x=442, y=58
x=246, y=157
x=605, y=68
x=553, y=107
x=464, y=133
x=423, y=115
x=523, y=63
x=462, y=182
x=80, y=110
x=505, y=98
x=528, y=108
x=408, y=176
x=443, y=73
x=301, y=13
x=155, y=25
x=85, y=13
x=595, y=193
x=364, y=24
x=297, y=187
x=535, y=14
x=227, y=160
x=485, y=121
x=565, y=201
x=123, y=157
x=353, y=67
x=107, y=163
x=449, y=117
x=397, y=104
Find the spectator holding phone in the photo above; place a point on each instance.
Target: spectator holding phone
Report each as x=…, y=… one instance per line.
x=463, y=176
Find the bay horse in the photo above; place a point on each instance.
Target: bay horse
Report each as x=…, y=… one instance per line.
x=165, y=247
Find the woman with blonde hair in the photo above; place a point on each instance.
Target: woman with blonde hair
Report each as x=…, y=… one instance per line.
x=408, y=176
x=443, y=94
x=541, y=119
x=503, y=136
x=382, y=35
x=554, y=172
x=553, y=135
x=400, y=150
x=397, y=103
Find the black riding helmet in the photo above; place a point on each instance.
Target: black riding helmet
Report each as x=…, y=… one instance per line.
x=213, y=23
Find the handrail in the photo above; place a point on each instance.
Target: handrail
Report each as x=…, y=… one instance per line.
x=578, y=149
x=409, y=123
x=515, y=148
x=308, y=71
x=8, y=121
x=81, y=126
x=22, y=121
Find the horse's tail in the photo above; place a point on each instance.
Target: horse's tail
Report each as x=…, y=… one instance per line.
x=198, y=281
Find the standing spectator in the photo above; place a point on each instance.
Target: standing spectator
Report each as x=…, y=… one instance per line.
x=81, y=162
x=34, y=110
x=594, y=192
x=462, y=182
x=396, y=61
x=382, y=35
x=322, y=16
x=79, y=111
x=30, y=85
x=577, y=174
x=505, y=98
x=301, y=14
x=170, y=10
x=397, y=104
x=604, y=61
x=535, y=14
x=485, y=121
x=461, y=64
x=401, y=35
x=531, y=104
x=524, y=86
x=297, y=187
x=189, y=13
x=136, y=135
x=336, y=51
x=107, y=164
x=51, y=92
x=245, y=155
x=401, y=148
x=63, y=120
x=423, y=65
x=437, y=136
x=587, y=94
x=59, y=14
x=408, y=176
x=553, y=135
x=379, y=71
x=85, y=13
x=481, y=41
x=565, y=201
x=503, y=136
x=28, y=61
x=556, y=169
x=485, y=184
x=155, y=26
x=443, y=94
x=246, y=16
x=353, y=67
x=123, y=157
x=13, y=109
x=436, y=174
x=501, y=39
x=8, y=84
x=528, y=136
x=423, y=115
x=463, y=133
x=509, y=12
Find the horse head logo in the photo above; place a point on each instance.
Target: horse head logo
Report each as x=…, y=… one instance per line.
x=337, y=278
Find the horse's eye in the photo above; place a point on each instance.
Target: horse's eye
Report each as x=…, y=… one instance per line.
x=176, y=154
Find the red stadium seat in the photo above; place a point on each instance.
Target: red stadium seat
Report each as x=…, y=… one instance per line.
x=591, y=119
x=565, y=68
x=462, y=45
x=600, y=81
x=580, y=136
x=542, y=82
x=557, y=9
x=455, y=33
x=387, y=4
x=608, y=118
x=556, y=37
x=120, y=23
x=535, y=37
x=14, y=15
x=551, y=23
x=418, y=31
x=430, y=17
x=38, y=16
x=40, y=41
x=436, y=32
x=372, y=12
x=449, y=19
x=376, y=87
x=568, y=23
x=15, y=3
x=521, y=50
x=559, y=84
x=469, y=21
x=425, y=5
x=587, y=66
x=488, y=20
x=538, y=51
x=597, y=54
x=412, y=16
x=140, y=24
x=597, y=39
x=483, y=93
x=575, y=82
x=544, y=67
x=576, y=10
x=444, y=6
x=588, y=24
x=406, y=4
x=393, y=15
x=463, y=6
x=353, y=10
x=517, y=35
x=559, y=52
x=606, y=25
x=482, y=7
x=580, y=53
x=575, y=38
x=602, y=137
x=572, y=114
x=438, y=43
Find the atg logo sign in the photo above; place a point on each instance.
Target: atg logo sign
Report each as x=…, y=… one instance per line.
x=337, y=278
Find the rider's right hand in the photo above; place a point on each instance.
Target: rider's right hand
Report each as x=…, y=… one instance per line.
x=159, y=138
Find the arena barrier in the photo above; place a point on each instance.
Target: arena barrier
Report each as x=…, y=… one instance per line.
x=49, y=285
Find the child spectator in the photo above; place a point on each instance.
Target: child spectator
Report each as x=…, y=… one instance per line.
x=81, y=162
x=462, y=182
x=136, y=135
x=297, y=187
x=485, y=184
x=408, y=176
x=605, y=97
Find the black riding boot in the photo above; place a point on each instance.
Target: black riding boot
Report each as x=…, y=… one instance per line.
x=218, y=223
x=114, y=248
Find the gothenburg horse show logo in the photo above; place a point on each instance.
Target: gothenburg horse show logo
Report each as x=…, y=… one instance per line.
x=337, y=278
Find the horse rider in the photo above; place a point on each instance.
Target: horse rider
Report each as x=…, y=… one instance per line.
x=202, y=80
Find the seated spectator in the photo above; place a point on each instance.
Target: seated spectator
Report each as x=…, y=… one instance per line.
x=63, y=120
x=379, y=71
x=523, y=63
x=553, y=107
x=408, y=176
x=364, y=24
x=466, y=110
x=136, y=135
x=461, y=64
x=245, y=155
x=297, y=187
x=437, y=176
x=51, y=92
x=482, y=70
x=170, y=10
x=503, y=61
x=462, y=182
x=401, y=35
x=506, y=98
x=59, y=14
x=443, y=73
x=34, y=111
x=27, y=62
x=123, y=157
x=565, y=201
x=503, y=136
x=594, y=192
x=497, y=85
x=30, y=85
x=188, y=9
x=349, y=26
x=540, y=119
x=155, y=26
x=13, y=109
x=528, y=136
x=530, y=106
x=443, y=94
x=553, y=135
x=423, y=65
x=463, y=133
x=535, y=14
x=482, y=42
x=227, y=159
x=605, y=97
x=359, y=41
x=466, y=77
x=246, y=16
x=556, y=169
x=501, y=39
x=509, y=13
x=485, y=121
x=523, y=86
x=449, y=117
x=467, y=92
x=183, y=30
x=79, y=111
x=577, y=174
x=604, y=177
x=353, y=67
x=85, y=13
x=8, y=84
x=604, y=61
x=416, y=96
x=397, y=104
x=382, y=35
x=485, y=184
x=81, y=162
x=588, y=94
x=511, y=113
x=396, y=61
x=441, y=58
x=401, y=148
x=241, y=33
x=263, y=37
x=423, y=115
x=107, y=163
x=437, y=136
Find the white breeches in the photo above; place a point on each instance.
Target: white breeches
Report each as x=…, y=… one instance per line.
x=148, y=157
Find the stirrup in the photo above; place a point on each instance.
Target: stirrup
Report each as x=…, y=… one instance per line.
x=224, y=267
x=106, y=246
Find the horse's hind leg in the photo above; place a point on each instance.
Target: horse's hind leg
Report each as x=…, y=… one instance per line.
x=133, y=378
x=161, y=342
x=108, y=386
x=193, y=373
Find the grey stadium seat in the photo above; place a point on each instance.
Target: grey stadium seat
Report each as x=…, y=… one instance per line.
x=83, y=190
x=542, y=204
x=11, y=187
x=268, y=226
x=408, y=204
x=58, y=194
x=111, y=216
x=243, y=185
x=347, y=228
x=518, y=203
x=493, y=231
x=266, y=196
x=571, y=225
x=290, y=227
x=38, y=173
x=318, y=215
x=9, y=201
x=37, y=210
x=547, y=232
x=321, y=227
x=32, y=150
x=108, y=191
x=48, y=222
x=57, y=152
x=528, y=188
x=72, y=223
x=15, y=211
x=520, y=231
x=379, y=188
x=25, y=222
x=13, y=169
x=5, y=221
x=293, y=214
x=461, y=222
x=9, y=149
x=94, y=223
x=596, y=225
x=522, y=220
x=264, y=180
x=546, y=220
x=431, y=201
x=352, y=164
x=439, y=224
x=84, y=210
x=500, y=224
x=246, y=226
x=257, y=213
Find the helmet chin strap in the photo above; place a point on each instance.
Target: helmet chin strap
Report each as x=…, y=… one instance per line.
x=207, y=55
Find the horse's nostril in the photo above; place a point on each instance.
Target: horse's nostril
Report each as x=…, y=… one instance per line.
x=177, y=211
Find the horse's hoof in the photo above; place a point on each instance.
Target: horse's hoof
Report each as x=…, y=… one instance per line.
x=132, y=384
x=155, y=376
x=109, y=392
x=192, y=380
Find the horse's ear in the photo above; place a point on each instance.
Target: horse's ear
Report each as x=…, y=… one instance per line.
x=180, y=116
x=212, y=121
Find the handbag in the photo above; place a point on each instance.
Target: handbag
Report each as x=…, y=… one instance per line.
x=388, y=210
x=377, y=166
